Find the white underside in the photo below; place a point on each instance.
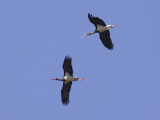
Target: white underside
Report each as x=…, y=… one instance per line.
x=68, y=78
x=101, y=28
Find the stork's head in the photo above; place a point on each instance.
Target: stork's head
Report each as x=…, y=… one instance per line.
x=88, y=34
x=57, y=79
x=111, y=26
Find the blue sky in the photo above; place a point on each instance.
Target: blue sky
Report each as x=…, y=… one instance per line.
x=122, y=84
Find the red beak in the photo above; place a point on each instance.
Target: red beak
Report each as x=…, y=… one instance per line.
x=84, y=35
x=53, y=79
x=80, y=79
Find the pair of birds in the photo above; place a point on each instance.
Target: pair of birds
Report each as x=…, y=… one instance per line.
x=104, y=33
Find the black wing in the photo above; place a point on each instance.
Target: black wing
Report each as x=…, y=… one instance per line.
x=65, y=92
x=96, y=20
x=106, y=40
x=67, y=66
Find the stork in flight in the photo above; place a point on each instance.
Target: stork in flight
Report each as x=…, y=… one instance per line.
x=67, y=79
x=103, y=31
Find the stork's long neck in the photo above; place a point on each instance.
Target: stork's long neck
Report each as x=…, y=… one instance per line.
x=92, y=32
x=89, y=34
x=60, y=79
x=57, y=79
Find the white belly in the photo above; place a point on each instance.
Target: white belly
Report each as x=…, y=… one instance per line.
x=67, y=77
x=101, y=28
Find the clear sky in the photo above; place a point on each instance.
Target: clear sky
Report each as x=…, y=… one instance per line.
x=121, y=84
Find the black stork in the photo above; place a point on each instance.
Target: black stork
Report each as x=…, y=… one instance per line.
x=67, y=79
x=103, y=31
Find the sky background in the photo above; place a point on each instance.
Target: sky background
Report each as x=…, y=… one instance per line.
x=120, y=84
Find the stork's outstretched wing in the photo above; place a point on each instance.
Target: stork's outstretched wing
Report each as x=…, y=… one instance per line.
x=96, y=20
x=67, y=65
x=65, y=92
x=106, y=40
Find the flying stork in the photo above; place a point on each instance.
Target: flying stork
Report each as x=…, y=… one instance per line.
x=67, y=79
x=103, y=31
